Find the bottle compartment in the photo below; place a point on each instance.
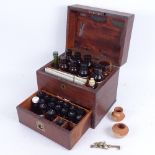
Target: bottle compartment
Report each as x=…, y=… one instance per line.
x=79, y=68
x=60, y=129
x=57, y=109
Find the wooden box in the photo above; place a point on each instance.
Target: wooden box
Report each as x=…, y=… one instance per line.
x=106, y=36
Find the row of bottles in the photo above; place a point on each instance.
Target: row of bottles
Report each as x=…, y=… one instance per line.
x=50, y=107
x=81, y=66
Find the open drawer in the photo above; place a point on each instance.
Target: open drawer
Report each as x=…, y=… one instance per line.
x=66, y=134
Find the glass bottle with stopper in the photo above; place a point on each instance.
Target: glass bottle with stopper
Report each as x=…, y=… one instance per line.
x=83, y=72
x=69, y=56
x=98, y=73
x=73, y=69
x=106, y=67
x=34, y=104
x=56, y=60
x=87, y=60
x=63, y=64
x=77, y=57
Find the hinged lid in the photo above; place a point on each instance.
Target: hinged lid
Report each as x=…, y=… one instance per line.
x=106, y=34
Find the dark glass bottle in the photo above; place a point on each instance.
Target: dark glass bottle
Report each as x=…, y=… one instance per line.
x=78, y=59
x=69, y=56
x=50, y=115
x=98, y=73
x=73, y=69
x=64, y=112
x=72, y=115
x=66, y=105
x=59, y=122
x=72, y=107
x=65, y=108
x=77, y=54
x=81, y=112
x=83, y=72
x=52, y=103
x=78, y=118
x=41, y=94
x=34, y=104
x=63, y=65
x=56, y=60
x=87, y=60
x=42, y=107
x=105, y=65
x=47, y=98
x=58, y=108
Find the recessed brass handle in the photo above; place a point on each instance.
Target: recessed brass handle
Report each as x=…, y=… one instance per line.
x=40, y=126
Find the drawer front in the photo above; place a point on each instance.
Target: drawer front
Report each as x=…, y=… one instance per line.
x=64, y=89
x=66, y=135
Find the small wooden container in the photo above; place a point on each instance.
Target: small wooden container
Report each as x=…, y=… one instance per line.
x=120, y=130
x=103, y=34
x=118, y=114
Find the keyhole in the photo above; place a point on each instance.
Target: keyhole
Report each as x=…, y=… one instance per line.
x=63, y=86
x=39, y=126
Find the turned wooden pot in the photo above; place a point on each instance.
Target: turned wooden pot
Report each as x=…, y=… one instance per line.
x=120, y=130
x=118, y=114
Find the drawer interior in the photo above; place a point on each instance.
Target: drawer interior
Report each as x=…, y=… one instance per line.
x=61, y=129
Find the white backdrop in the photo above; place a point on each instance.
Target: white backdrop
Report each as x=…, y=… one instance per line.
x=29, y=31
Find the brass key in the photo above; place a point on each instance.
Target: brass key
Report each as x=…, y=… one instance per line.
x=114, y=146
x=103, y=145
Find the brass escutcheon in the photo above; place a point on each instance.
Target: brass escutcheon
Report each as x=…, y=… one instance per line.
x=40, y=126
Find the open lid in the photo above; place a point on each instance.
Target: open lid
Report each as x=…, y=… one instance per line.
x=104, y=34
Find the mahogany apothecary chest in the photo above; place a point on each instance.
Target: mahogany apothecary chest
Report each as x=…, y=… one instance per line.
x=103, y=34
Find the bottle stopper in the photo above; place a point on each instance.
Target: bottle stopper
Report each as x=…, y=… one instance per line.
x=35, y=99
x=92, y=82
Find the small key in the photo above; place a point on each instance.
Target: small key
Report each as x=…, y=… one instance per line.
x=95, y=145
x=103, y=145
x=114, y=146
